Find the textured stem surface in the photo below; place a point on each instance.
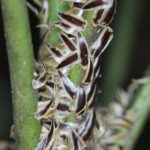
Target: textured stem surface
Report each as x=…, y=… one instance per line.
x=67, y=80
x=21, y=65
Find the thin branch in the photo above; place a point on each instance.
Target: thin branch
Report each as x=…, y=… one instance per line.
x=21, y=65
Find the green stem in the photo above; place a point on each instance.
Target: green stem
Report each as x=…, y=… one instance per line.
x=142, y=109
x=21, y=65
x=53, y=37
x=76, y=72
x=53, y=17
x=119, y=55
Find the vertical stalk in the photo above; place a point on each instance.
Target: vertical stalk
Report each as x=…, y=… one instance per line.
x=76, y=72
x=21, y=65
x=53, y=17
x=53, y=35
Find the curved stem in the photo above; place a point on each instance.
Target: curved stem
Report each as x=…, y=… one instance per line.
x=21, y=65
x=142, y=109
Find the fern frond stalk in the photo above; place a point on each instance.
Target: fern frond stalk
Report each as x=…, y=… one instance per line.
x=67, y=73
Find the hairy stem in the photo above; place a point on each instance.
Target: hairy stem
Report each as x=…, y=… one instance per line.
x=21, y=65
x=142, y=109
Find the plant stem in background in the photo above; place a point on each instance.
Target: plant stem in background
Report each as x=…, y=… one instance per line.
x=119, y=55
x=21, y=65
x=141, y=106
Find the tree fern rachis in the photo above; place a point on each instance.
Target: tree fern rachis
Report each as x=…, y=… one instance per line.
x=67, y=73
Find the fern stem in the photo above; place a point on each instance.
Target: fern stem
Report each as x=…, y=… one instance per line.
x=53, y=17
x=21, y=65
x=142, y=109
x=76, y=72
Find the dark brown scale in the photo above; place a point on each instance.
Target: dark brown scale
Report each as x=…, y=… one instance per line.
x=67, y=85
x=99, y=15
x=73, y=20
x=64, y=137
x=51, y=84
x=47, y=122
x=81, y=99
x=110, y=13
x=40, y=98
x=63, y=107
x=42, y=112
x=43, y=89
x=97, y=67
x=94, y=4
x=50, y=134
x=63, y=25
x=91, y=90
x=93, y=99
x=103, y=43
x=43, y=77
x=83, y=50
x=87, y=135
x=81, y=112
x=82, y=132
x=75, y=141
x=68, y=42
x=121, y=147
x=90, y=72
x=68, y=61
x=55, y=51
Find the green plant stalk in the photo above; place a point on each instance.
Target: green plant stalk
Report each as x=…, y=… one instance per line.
x=53, y=35
x=21, y=65
x=142, y=109
x=76, y=71
x=119, y=56
x=53, y=17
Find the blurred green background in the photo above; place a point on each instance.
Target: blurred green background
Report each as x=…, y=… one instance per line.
x=127, y=57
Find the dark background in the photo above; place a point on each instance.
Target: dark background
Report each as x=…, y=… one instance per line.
x=136, y=64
